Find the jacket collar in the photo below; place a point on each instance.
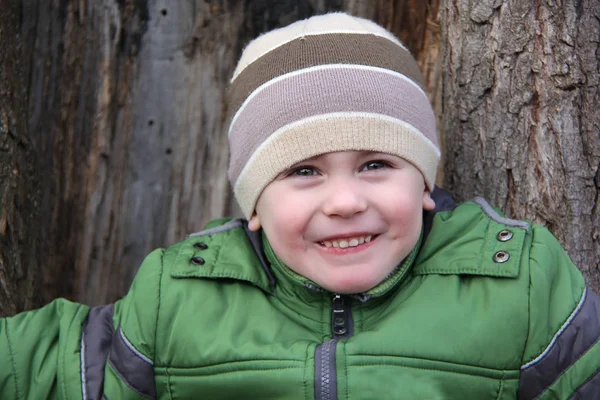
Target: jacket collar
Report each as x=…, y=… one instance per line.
x=278, y=273
x=294, y=283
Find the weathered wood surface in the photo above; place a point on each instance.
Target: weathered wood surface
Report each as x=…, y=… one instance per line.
x=81, y=121
x=20, y=266
x=126, y=109
x=521, y=109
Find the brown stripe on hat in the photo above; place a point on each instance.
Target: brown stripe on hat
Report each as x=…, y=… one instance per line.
x=312, y=50
x=346, y=131
x=326, y=90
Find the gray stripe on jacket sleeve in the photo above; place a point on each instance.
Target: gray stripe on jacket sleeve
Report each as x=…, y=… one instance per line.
x=96, y=338
x=580, y=332
x=134, y=369
x=589, y=390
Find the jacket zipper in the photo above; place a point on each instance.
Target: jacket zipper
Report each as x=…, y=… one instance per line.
x=325, y=369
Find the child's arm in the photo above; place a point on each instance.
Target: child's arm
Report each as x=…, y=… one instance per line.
x=69, y=351
x=39, y=351
x=562, y=354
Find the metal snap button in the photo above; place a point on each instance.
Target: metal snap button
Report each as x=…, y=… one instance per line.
x=198, y=260
x=339, y=330
x=504, y=235
x=501, y=256
x=200, y=246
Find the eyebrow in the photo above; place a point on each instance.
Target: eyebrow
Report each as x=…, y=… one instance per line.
x=364, y=154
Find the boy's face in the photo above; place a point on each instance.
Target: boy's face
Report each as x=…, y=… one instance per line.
x=344, y=220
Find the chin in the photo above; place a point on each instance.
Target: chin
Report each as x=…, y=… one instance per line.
x=350, y=287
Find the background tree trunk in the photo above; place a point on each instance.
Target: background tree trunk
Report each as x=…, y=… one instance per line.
x=19, y=194
x=81, y=120
x=521, y=107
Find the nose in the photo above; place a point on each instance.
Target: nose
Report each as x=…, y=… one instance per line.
x=344, y=199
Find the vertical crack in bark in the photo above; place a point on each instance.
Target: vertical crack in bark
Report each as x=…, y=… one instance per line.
x=538, y=118
x=532, y=139
x=511, y=205
x=596, y=206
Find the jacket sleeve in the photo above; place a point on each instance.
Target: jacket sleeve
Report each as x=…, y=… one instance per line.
x=562, y=356
x=129, y=370
x=39, y=352
x=70, y=351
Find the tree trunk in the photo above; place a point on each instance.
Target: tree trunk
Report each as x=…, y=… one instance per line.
x=521, y=110
x=81, y=119
x=19, y=196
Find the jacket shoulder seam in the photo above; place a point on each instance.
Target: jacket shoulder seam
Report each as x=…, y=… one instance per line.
x=62, y=356
x=12, y=359
x=159, y=296
x=528, y=338
x=233, y=224
x=493, y=215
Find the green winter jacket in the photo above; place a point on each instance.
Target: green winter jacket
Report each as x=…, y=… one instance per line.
x=487, y=308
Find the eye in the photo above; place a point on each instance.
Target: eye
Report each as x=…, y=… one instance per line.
x=303, y=171
x=373, y=165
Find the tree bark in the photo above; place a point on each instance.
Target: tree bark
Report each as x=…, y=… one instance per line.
x=520, y=104
x=19, y=195
x=81, y=121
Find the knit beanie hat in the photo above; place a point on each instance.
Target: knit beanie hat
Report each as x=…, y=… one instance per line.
x=329, y=83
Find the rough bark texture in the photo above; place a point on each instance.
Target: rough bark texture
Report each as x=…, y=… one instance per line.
x=82, y=124
x=125, y=113
x=522, y=117
x=19, y=195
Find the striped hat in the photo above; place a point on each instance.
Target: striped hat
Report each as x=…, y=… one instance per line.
x=328, y=83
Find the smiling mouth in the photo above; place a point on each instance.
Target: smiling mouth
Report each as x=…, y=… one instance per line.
x=348, y=242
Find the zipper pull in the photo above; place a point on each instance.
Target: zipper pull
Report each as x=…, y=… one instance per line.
x=338, y=317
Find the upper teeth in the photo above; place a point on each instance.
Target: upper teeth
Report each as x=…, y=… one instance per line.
x=347, y=242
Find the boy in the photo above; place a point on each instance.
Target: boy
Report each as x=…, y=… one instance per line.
x=334, y=287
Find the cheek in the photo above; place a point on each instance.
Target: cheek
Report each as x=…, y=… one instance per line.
x=403, y=200
x=286, y=228
x=284, y=219
x=286, y=236
x=406, y=213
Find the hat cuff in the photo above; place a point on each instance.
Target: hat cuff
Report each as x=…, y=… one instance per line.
x=329, y=133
